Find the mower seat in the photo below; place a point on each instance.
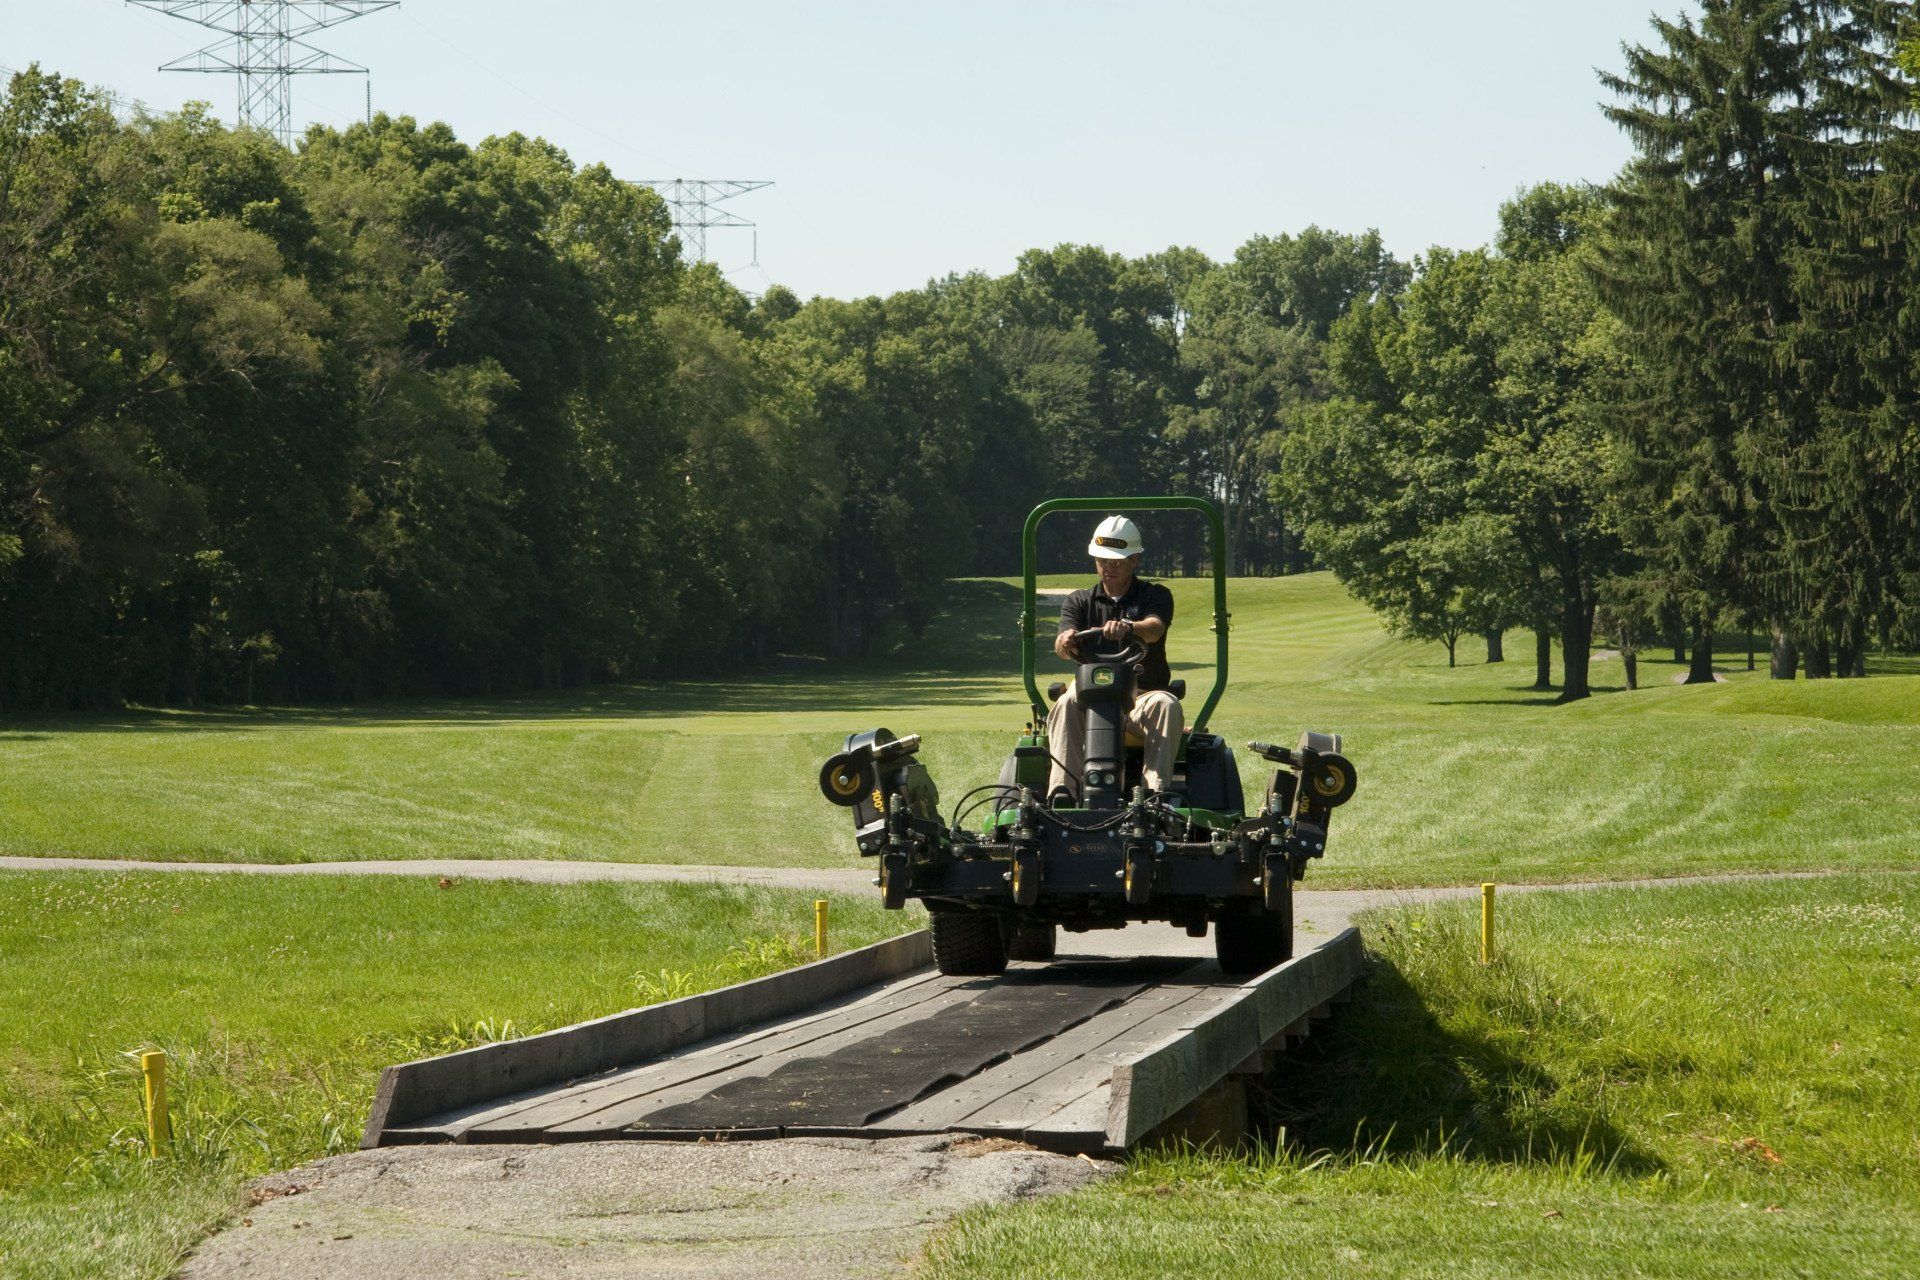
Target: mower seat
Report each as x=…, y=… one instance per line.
x=1178, y=688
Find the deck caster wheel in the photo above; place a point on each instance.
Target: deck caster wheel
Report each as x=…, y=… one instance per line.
x=1276, y=886
x=1137, y=876
x=1026, y=878
x=893, y=881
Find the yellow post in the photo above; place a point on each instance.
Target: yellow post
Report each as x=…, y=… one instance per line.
x=153, y=1072
x=820, y=927
x=1486, y=924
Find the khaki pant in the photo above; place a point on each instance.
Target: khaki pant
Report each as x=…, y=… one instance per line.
x=1156, y=717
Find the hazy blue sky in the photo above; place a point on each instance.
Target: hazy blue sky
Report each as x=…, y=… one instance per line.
x=908, y=140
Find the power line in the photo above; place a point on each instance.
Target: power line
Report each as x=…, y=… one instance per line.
x=265, y=49
x=696, y=207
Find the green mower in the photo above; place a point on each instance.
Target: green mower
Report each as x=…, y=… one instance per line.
x=1113, y=853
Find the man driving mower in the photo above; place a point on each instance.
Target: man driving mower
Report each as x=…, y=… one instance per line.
x=1123, y=607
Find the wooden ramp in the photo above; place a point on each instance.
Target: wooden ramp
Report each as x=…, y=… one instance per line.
x=1081, y=1055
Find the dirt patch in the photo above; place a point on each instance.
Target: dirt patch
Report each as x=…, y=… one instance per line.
x=812, y=1207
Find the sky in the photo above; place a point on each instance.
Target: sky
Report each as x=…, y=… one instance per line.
x=908, y=140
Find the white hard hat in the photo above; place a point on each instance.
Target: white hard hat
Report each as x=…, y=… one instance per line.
x=1115, y=539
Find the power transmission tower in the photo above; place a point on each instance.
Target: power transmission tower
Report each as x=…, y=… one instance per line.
x=696, y=206
x=265, y=49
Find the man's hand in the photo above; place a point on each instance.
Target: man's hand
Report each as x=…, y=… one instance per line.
x=1117, y=629
x=1064, y=647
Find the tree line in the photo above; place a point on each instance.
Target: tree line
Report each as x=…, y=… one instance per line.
x=1679, y=404
x=389, y=413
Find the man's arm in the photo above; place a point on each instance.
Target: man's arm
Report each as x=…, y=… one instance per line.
x=1072, y=619
x=1149, y=629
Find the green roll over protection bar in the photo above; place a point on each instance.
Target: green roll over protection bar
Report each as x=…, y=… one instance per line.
x=1217, y=548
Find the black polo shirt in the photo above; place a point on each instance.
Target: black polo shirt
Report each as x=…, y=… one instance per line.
x=1092, y=607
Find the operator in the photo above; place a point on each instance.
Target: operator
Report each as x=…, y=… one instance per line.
x=1124, y=607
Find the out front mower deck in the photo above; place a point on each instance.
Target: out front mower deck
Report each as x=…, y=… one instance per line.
x=1115, y=853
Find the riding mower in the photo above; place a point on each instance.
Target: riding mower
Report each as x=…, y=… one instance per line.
x=1113, y=853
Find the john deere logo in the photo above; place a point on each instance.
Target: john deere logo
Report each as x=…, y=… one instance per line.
x=1104, y=541
x=1103, y=675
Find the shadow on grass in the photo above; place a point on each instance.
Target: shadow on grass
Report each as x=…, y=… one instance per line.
x=969, y=656
x=1385, y=1077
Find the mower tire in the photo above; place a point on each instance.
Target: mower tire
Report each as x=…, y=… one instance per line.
x=1251, y=939
x=968, y=943
x=1033, y=942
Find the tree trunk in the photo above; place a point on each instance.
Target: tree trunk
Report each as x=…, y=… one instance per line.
x=1496, y=646
x=1819, y=656
x=1451, y=641
x=1630, y=660
x=1749, y=648
x=1785, y=657
x=1576, y=648
x=1701, y=669
x=1542, y=660
x=1679, y=647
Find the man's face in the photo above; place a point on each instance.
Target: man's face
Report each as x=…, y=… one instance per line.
x=1116, y=575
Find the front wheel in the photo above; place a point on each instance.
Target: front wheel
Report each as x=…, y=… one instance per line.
x=1251, y=939
x=968, y=943
x=1033, y=941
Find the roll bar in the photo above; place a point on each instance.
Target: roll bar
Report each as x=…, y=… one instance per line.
x=1217, y=546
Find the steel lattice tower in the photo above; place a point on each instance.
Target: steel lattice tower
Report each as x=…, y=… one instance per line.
x=696, y=205
x=265, y=49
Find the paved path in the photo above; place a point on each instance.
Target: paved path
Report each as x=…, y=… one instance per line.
x=819, y=879
x=802, y=1209
x=536, y=870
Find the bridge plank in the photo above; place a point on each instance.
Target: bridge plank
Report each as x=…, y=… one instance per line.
x=1153, y=1086
x=1066, y=1055
x=417, y=1091
x=522, y=1117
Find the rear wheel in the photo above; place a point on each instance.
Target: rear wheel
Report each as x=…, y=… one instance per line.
x=1033, y=941
x=1252, y=939
x=968, y=943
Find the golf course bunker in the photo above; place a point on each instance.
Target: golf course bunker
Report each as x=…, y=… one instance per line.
x=812, y=1207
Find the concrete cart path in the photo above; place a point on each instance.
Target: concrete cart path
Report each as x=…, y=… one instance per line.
x=856, y=879
x=805, y=1207
x=536, y=870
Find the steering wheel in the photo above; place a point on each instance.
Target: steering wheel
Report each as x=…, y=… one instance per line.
x=1131, y=653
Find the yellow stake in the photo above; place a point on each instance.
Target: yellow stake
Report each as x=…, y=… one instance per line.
x=820, y=927
x=1486, y=924
x=153, y=1071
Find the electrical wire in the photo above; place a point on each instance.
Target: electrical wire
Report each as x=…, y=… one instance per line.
x=537, y=101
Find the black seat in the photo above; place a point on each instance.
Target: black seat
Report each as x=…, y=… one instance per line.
x=1178, y=688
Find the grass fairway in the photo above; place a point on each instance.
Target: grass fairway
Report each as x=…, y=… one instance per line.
x=1465, y=774
x=278, y=1001
x=1696, y=1081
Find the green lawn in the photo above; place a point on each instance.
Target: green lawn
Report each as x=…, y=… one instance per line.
x=1711, y=1080
x=1465, y=773
x=279, y=1001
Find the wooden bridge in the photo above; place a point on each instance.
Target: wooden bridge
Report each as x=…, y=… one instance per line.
x=1088, y=1053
